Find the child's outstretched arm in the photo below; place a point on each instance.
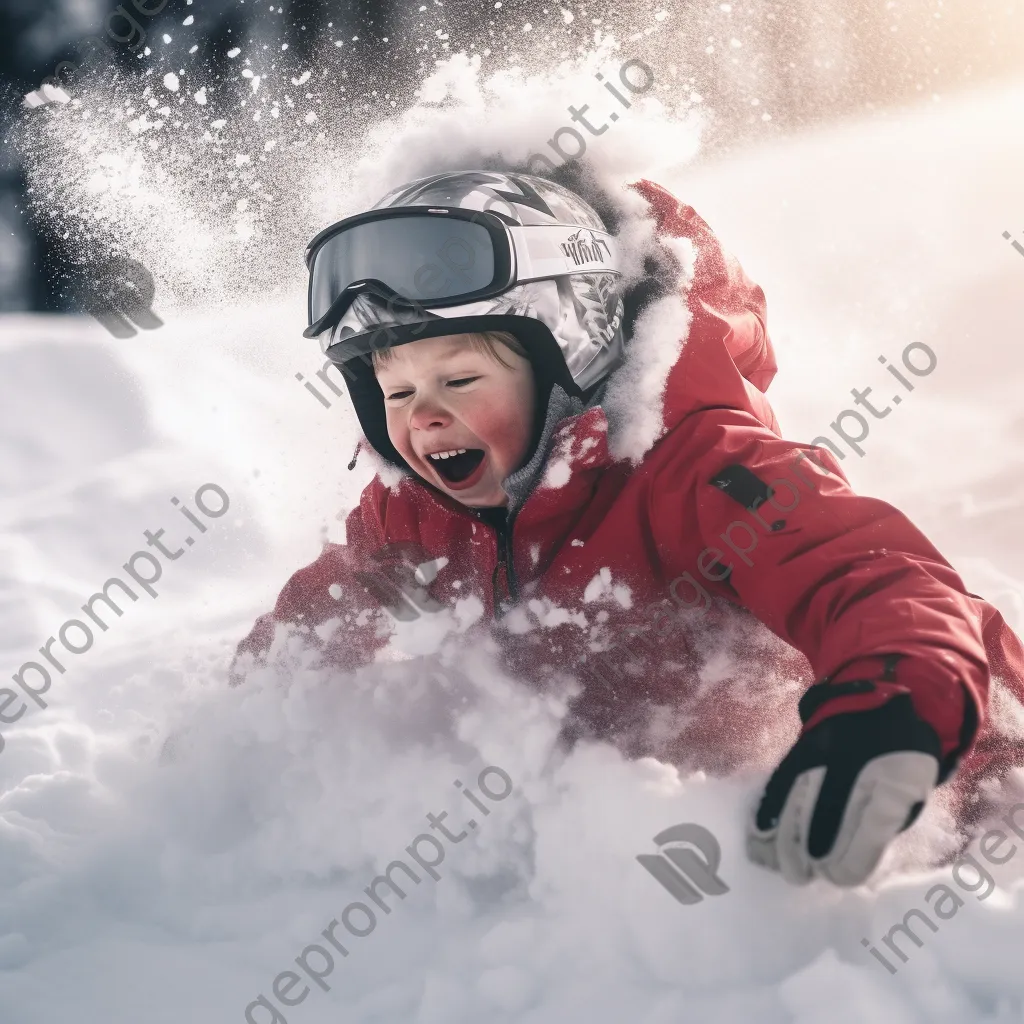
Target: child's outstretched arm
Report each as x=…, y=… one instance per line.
x=898, y=644
x=902, y=651
x=846, y=579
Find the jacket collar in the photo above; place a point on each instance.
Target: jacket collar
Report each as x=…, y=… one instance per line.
x=520, y=484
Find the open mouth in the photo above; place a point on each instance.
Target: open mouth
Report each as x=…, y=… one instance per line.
x=459, y=466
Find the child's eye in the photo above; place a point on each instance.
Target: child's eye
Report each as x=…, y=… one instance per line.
x=399, y=394
x=461, y=381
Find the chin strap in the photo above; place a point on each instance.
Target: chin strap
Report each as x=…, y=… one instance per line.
x=355, y=454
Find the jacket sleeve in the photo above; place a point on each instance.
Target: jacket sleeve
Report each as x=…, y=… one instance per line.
x=335, y=603
x=846, y=579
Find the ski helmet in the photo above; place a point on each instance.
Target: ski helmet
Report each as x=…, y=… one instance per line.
x=469, y=251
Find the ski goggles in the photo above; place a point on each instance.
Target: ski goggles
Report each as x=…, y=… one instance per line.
x=440, y=256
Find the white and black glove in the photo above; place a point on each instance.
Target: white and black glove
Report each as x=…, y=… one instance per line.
x=846, y=789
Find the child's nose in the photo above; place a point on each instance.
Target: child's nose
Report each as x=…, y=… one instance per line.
x=427, y=413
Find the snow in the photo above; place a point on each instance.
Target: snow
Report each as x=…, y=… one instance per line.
x=557, y=473
x=633, y=427
x=169, y=846
x=601, y=587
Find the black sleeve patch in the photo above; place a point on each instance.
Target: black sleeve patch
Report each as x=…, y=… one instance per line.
x=743, y=486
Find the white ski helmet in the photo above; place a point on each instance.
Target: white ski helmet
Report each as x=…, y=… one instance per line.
x=466, y=251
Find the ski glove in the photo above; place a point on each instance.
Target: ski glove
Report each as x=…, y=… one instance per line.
x=849, y=785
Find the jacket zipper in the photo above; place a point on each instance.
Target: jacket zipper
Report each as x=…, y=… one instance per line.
x=503, y=537
x=505, y=562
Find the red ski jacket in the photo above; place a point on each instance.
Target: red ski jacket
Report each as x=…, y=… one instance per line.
x=640, y=579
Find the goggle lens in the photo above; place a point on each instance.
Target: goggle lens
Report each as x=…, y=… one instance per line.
x=420, y=257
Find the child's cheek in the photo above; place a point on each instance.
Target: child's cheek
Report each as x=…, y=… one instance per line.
x=398, y=435
x=500, y=427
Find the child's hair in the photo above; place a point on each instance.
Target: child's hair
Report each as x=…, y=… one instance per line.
x=483, y=341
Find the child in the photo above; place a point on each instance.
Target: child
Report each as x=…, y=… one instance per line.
x=458, y=412
x=599, y=463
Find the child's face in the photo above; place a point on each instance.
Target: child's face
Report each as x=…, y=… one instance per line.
x=441, y=394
